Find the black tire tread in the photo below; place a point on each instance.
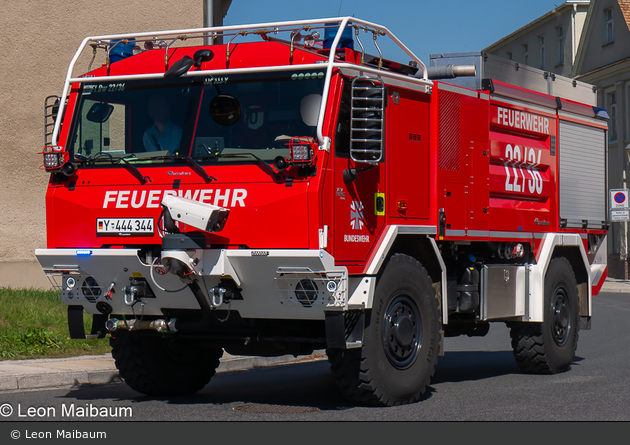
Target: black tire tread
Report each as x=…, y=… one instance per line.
x=528, y=343
x=144, y=365
x=352, y=374
x=529, y=350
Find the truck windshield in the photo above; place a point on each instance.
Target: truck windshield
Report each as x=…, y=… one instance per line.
x=201, y=117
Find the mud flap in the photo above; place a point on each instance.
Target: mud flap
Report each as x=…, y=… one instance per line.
x=75, y=324
x=344, y=330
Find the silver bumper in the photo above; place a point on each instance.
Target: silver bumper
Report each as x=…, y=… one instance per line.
x=284, y=284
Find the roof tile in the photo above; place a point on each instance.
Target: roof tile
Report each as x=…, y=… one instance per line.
x=624, y=5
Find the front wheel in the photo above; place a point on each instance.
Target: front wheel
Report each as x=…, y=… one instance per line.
x=163, y=366
x=549, y=347
x=401, y=340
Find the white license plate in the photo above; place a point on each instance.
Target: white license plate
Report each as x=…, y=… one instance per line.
x=124, y=226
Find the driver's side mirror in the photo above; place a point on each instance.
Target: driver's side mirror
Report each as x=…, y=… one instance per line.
x=100, y=112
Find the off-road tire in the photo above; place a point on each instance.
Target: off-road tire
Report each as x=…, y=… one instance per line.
x=158, y=366
x=549, y=347
x=400, y=343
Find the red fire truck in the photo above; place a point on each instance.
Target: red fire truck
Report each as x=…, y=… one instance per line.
x=291, y=190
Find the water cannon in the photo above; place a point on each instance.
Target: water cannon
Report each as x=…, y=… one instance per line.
x=202, y=216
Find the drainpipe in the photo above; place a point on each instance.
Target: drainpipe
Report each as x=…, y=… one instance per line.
x=213, y=13
x=208, y=18
x=574, y=36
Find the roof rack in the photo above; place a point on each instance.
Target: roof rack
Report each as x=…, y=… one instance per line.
x=375, y=65
x=490, y=66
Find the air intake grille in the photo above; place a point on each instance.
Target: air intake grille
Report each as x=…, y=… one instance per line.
x=449, y=142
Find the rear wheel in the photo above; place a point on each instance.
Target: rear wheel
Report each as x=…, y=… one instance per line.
x=549, y=347
x=168, y=366
x=401, y=340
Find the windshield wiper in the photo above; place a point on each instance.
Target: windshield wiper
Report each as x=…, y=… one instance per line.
x=134, y=171
x=118, y=161
x=266, y=167
x=194, y=165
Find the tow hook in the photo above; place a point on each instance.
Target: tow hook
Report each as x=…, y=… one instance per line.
x=136, y=290
x=132, y=294
x=218, y=295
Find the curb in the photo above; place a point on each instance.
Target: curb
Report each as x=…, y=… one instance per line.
x=616, y=286
x=100, y=370
x=50, y=373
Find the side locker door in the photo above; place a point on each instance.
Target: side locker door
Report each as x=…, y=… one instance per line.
x=408, y=154
x=453, y=160
x=479, y=193
x=474, y=130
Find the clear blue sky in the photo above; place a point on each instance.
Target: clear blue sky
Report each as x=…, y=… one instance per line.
x=425, y=26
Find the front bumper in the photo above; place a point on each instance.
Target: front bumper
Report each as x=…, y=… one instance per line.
x=273, y=284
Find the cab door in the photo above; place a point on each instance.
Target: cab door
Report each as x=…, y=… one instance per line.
x=359, y=182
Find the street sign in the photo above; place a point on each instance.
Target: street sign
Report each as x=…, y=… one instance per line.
x=619, y=199
x=619, y=205
x=620, y=215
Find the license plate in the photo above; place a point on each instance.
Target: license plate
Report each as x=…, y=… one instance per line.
x=124, y=226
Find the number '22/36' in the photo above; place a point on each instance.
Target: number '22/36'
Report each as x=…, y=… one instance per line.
x=519, y=163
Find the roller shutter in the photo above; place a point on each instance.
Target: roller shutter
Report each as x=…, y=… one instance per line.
x=582, y=157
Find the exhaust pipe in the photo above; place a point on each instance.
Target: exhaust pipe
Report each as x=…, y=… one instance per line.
x=450, y=71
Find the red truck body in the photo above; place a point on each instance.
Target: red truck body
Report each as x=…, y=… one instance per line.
x=370, y=209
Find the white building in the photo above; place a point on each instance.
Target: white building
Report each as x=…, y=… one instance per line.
x=590, y=42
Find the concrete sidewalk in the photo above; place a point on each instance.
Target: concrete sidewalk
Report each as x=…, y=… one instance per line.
x=616, y=285
x=100, y=369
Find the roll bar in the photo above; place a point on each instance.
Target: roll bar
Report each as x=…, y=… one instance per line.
x=263, y=30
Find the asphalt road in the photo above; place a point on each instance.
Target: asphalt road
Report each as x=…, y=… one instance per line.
x=476, y=380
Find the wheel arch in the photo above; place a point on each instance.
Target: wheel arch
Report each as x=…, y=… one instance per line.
x=573, y=254
x=571, y=247
x=581, y=271
x=420, y=245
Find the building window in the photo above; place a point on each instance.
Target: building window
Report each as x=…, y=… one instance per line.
x=541, y=41
x=526, y=54
x=509, y=55
x=560, y=34
x=612, y=124
x=610, y=29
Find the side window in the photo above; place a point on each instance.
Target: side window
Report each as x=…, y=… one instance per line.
x=101, y=128
x=117, y=131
